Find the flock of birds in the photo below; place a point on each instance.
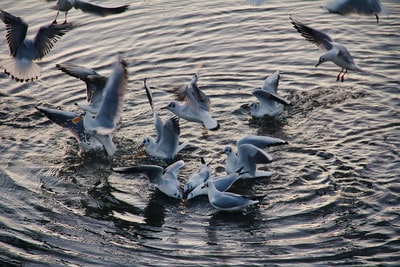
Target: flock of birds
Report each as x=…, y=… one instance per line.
x=95, y=126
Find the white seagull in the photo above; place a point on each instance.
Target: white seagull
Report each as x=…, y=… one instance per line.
x=198, y=177
x=227, y=201
x=268, y=98
x=361, y=7
x=104, y=123
x=165, y=179
x=222, y=183
x=23, y=51
x=166, y=146
x=334, y=51
x=95, y=84
x=248, y=157
x=196, y=106
x=66, y=5
x=65, y=120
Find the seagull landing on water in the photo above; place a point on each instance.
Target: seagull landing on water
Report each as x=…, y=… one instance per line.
x=196, y=106
x=23, y=51
x=334, y=51
x=362, y=7
x=165, y=179
x=104, y=123
x=166, y=146
x=66, y=5
x=268, y=99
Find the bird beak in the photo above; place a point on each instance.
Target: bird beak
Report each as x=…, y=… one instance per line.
x=319, y=62
x=76, y=120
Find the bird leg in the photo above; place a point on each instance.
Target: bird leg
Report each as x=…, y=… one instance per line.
x=377, y=18
x=65, y=17
x=55, y=19
x=345, y=71
x=338, y=76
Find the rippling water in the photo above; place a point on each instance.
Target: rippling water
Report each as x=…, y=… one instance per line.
x=334, y=197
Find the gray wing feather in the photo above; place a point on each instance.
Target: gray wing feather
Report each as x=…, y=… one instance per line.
x=261, y=94
x=99, y=10
x=260, y=141
x=16, y=31
x=47, y=36
x=111, y=107
x=322, y=40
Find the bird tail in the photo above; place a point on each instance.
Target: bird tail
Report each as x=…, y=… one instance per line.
x=21, y=70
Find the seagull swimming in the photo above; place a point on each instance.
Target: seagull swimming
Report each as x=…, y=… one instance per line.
x=227, y=201
x=165, y=179
x=268, y=98
x=95, y=84
x=362, y=7
x=334, y=51
x=222, y=183
x=166, y=146
x=199, y=177
x=66, y=5
x=105, y=121
x=197, y=105
x=65, y=120
x=23, y=51
x=248, y=156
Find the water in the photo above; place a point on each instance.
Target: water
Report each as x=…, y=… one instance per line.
x=334, y=197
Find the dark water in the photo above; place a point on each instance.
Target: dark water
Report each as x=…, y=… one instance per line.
x=334, y=197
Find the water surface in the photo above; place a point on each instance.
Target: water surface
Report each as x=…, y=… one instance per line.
x=333, y=199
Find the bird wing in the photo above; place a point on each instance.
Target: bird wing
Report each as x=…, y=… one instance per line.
x=111, y=106
x=261, y=94
x=249, y=155
x=170, y=135
x=65, y=120
x=174, y=167
x=343, y=7
x=157, y=120
x=271, y=82
x=99, y=10
x=260, y=141
x=321, y=39
x=47, y=36
x=193, y=96
x=16, y=31
x=95, y=82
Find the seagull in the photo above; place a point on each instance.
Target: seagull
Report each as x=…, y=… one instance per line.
x=66, y=5
x=166, y=146
x=95, y=84
x=248, y=156
x=165, y=179
x=222, y=183
x=65, y=120
x=197, y=105
x=105, y=121
x=23, y=51
x=198, y=177
x=362, y=7
x=227, y=201
x=268, y=98
x=334, y=51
